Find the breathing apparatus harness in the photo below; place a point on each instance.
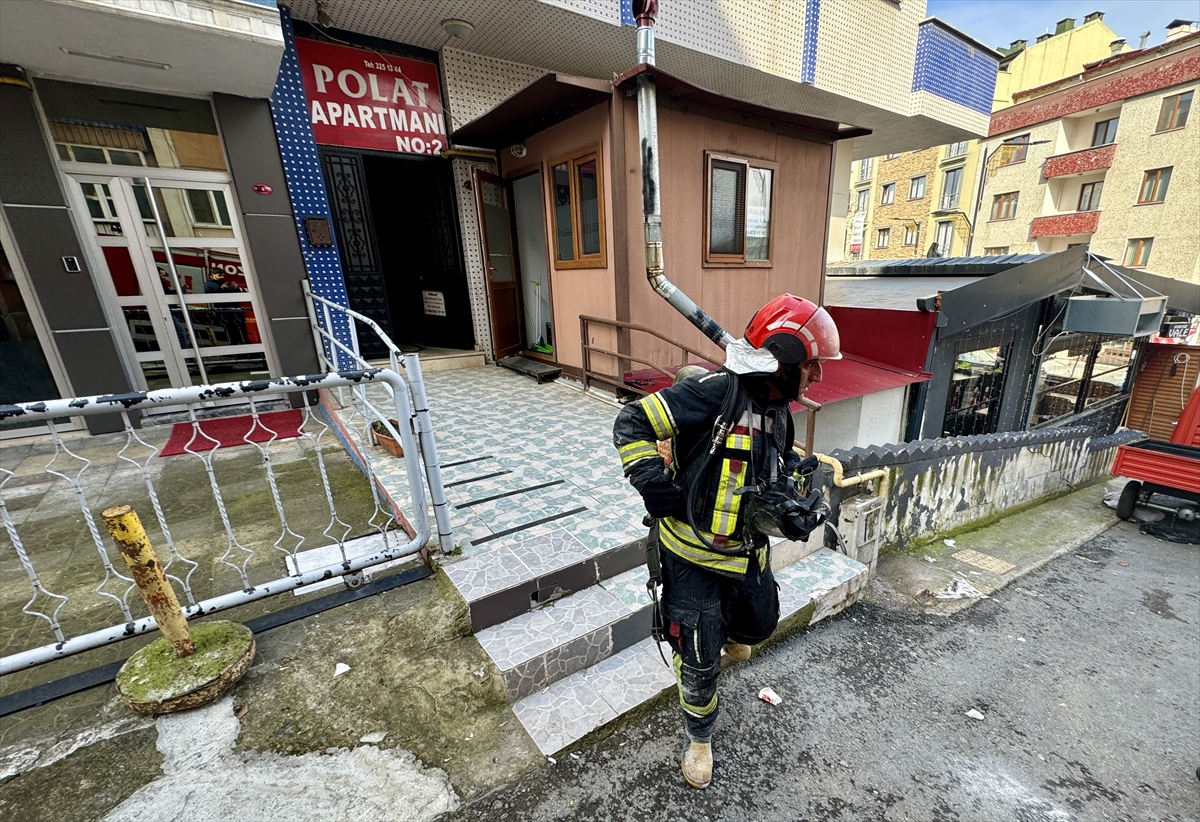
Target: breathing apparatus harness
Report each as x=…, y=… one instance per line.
x=772, y=506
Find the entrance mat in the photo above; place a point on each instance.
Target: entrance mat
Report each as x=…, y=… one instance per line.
x=540, y=371
x=231, y=431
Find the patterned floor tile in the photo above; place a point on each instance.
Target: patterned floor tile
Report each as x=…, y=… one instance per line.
x=511, y=643
x=544, y=553
x=561, y=714
x=629, y=587
x=628, y=679
x=584, y=612
x=493, y=571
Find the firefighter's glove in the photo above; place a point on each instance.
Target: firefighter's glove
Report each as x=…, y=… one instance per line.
x=663, y=498
x=807, y=466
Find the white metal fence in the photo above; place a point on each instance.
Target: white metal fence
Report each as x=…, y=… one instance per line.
x=321, y=435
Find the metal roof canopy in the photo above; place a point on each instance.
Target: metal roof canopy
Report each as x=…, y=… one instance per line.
x=674, y=92
x=1048, y=275
x=933, y=266
x=543, y=103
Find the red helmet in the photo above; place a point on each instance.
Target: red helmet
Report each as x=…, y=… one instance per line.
x=794, y=330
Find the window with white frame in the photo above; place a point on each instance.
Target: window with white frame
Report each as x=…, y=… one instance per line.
x=956, y=149
x=883, y=237
x=887, y=194
x=739, y=211
x=910, y=234
x=916, y=187
x=69, y=152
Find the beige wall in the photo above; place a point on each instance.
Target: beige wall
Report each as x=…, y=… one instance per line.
x=574, y=291
x=1025, y=177
x=1060, y=56
x=900, y=171
x=799, y=221
x=1175, y=223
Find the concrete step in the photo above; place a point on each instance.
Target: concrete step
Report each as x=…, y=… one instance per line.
x=587, y=659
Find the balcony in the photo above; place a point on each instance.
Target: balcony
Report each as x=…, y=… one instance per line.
x=1061, y=225
x=197, y=47
x=1078, y=162
x=950, y=201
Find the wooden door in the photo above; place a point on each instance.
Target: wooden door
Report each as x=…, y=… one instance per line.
x=500, y=261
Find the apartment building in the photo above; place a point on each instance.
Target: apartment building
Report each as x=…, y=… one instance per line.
x=191, y=165
x=902, y=205
x=1107, y=158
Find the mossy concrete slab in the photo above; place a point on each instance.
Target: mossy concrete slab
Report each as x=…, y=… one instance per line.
x=156, y=680
x=1026, y=540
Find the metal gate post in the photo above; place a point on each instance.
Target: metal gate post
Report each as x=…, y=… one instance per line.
x=433, y=466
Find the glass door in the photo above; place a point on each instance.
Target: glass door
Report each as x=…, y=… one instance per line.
x=176, y=262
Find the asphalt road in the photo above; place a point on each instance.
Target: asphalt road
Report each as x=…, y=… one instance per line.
x=1087, y=673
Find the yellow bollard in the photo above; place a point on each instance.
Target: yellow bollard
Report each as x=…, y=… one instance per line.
x=127, y=531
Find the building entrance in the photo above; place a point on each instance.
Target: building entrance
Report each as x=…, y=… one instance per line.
x=399, y=245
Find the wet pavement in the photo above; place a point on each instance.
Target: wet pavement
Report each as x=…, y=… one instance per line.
x=1086, y=673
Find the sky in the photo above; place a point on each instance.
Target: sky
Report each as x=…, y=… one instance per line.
x=999, y=22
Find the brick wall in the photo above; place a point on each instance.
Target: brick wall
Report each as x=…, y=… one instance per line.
x=900, y=171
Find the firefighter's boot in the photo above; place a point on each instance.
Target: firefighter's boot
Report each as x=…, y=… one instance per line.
x=737, y=652
x=697, y=764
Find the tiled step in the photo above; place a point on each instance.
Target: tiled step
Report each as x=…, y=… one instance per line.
x=574, y=702
x=514, y=579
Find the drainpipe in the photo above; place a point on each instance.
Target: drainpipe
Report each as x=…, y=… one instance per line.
x=645, y=11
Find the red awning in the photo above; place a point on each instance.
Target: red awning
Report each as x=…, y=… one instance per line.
x=854, y=376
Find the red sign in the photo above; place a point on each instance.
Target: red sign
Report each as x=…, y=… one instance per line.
x=364, y=99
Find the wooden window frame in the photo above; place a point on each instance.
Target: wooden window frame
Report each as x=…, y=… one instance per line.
x=1158, y=183
x=998, y=209
x=572, y=160
x=924, y=178
x=996, y=251
x=1146, y=243
x=711, y=260
x=1158, y=127
x=1094, y=200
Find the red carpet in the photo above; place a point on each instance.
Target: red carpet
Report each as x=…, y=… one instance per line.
x=230, y=431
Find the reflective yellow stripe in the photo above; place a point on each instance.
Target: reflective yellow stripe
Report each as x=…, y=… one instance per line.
x=680, y=539
x=634, y=451
x=726, y=505
x=700, y=711
x=738, y=442
x=659, y=415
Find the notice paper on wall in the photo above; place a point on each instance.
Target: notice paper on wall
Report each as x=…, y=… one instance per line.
x=435, y=303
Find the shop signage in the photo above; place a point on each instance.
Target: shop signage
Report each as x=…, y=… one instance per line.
x=364, y=99
x=856, y=231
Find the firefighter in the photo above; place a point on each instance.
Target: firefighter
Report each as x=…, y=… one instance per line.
x=734, y=479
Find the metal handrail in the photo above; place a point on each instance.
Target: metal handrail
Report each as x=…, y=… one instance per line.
x=612, y=379
x=331, y=350
x=811, y=408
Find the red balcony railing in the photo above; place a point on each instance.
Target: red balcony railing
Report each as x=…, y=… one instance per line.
x=1089, y=159
x=1060, y=225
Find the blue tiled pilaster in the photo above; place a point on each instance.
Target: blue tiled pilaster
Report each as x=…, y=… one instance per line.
x=302, y=168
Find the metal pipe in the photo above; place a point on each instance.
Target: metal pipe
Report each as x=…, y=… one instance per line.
x=645, y=11
x=839, y=477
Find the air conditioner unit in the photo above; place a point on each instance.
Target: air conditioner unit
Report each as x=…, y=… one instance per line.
x=1124, y=316
x=1128, y=309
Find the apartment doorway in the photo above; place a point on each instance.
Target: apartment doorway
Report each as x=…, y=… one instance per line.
x=398, y=240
